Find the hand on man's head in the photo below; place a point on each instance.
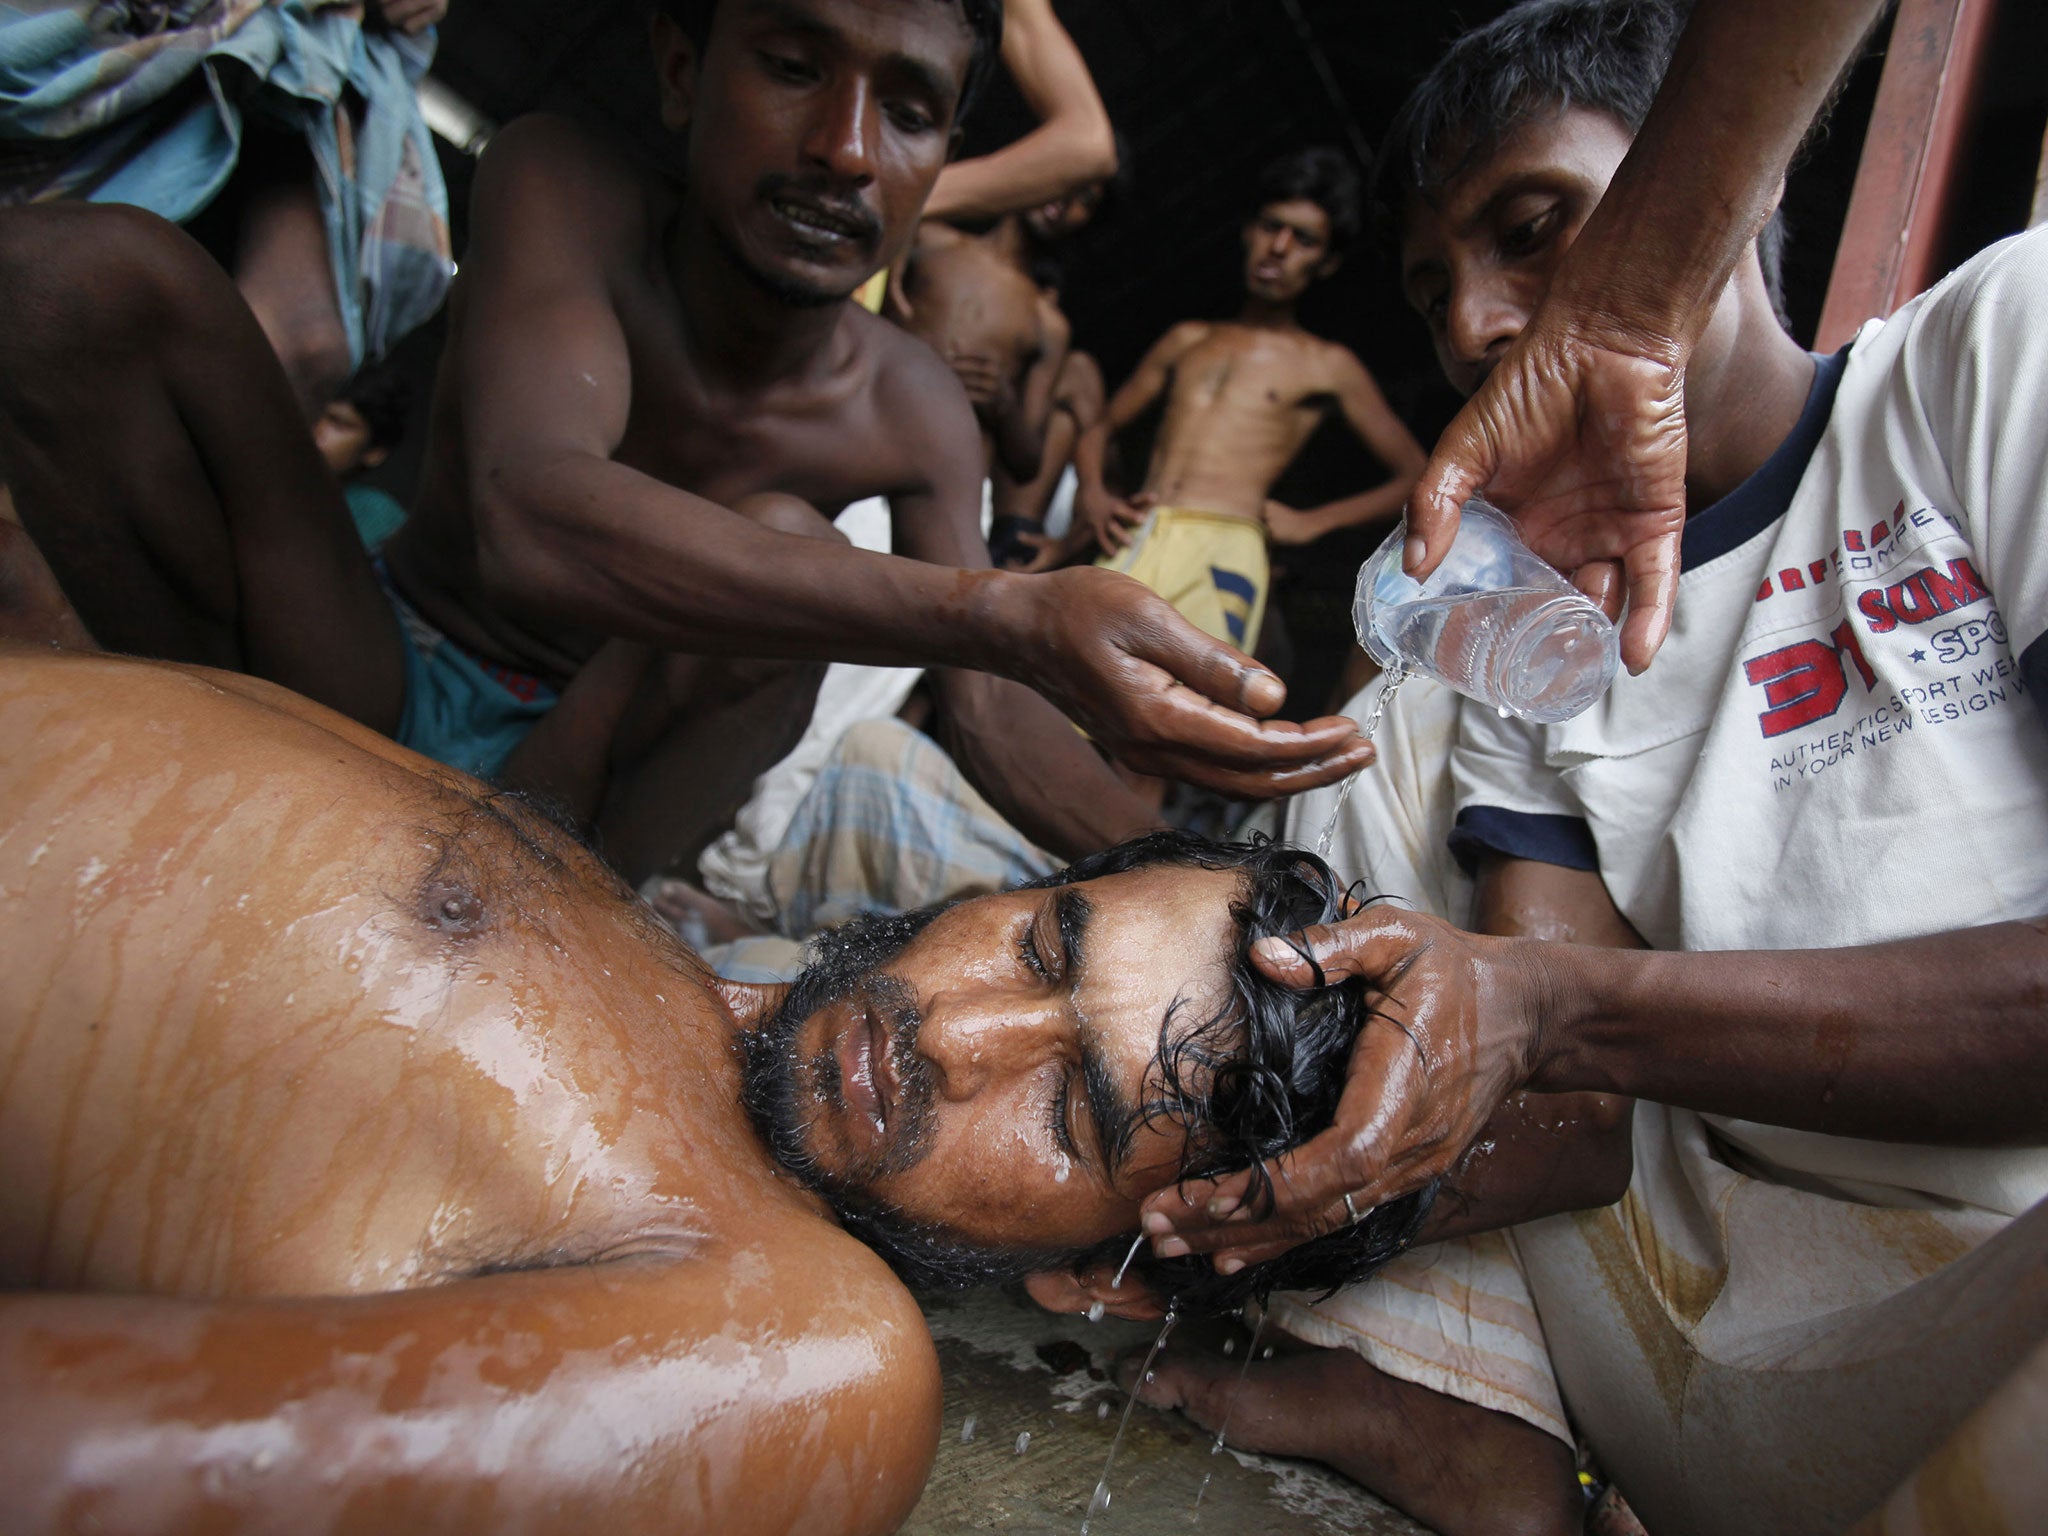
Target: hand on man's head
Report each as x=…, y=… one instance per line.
x=1450, y=1032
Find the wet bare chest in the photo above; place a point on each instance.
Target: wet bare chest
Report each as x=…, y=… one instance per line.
x=279, y=1043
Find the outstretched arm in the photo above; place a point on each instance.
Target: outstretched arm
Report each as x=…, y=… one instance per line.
x=1368, y=414
x=1941, y=1039
x=564, y=532
x=1536, y=1154
x=1071, y=146
x=1580, y=429
x=607, y=1396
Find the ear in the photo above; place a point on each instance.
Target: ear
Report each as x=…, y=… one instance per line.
x=675, y=70
x=1064, y=1290
x=372, y=457
x=1329, y=266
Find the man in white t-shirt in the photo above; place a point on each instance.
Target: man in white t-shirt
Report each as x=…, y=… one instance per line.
x=1824, y=813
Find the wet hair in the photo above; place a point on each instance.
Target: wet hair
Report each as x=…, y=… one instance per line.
x=382, y=396
x=984, y=19
x=1538, y=59
x=1260, y=1073
x=1323, y=176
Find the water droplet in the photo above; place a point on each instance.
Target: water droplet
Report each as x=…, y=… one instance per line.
x=1266, y=1353
x=1061, y=1174
x=1230, y=1346
x=1102, y=1409
x=1501, y=710
x=967, y=1430
x=1095, y=1310
x=1148, y=1375
x=1024, y=1442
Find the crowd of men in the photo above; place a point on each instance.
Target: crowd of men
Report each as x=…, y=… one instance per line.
x=380, y=1159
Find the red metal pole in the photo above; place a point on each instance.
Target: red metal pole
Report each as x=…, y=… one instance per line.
x=1891, y=239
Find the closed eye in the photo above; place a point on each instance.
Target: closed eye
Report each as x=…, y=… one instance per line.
x=1058, y=1110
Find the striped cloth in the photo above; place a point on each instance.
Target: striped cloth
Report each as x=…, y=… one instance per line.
x=889, y=824
x=145, y=102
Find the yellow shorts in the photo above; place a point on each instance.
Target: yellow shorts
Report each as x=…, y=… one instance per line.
x=1210, y=565
x=870, y=294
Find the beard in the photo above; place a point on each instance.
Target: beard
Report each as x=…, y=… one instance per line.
x=783, y=1091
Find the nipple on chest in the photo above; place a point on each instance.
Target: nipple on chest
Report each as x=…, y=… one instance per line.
x=451, y=908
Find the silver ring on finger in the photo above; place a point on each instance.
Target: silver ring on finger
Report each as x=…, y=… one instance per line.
x=1352, y=1210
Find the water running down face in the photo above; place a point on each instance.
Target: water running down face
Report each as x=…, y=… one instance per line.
x=986, y=1070
x=989, y=1091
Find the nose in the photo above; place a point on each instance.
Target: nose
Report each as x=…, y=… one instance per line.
x=975, y=1038
x=843, y=132
x=1283, y=241
x=1484, y=317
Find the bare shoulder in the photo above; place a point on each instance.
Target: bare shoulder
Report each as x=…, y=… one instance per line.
x=1338, y=364
x=558, y=178
x=1182, y=339
x=803, y=1284
x=913, y=389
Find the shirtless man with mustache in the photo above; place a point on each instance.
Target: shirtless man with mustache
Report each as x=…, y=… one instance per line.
x=654, y=399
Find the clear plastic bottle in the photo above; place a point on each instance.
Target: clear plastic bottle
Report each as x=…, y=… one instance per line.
x=1493, y=621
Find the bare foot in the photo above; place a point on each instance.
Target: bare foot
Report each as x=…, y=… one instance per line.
x=1452, y=1465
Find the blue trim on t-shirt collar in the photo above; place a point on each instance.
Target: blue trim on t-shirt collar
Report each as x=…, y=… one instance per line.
x=1762, y=499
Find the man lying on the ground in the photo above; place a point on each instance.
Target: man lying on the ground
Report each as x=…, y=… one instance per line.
x=376, y=1162
x=654, y=397
x=1242, y=397
x=1825, y=813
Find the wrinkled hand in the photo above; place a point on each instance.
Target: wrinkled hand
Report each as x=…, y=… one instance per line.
x=1164, y=698
x=1451, y=1032
x=1287, y=525
x=411, y=17
x=1110, y=517
x=1581, y=436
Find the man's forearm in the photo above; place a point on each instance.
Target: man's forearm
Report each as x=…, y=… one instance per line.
x=640, y=560
x=1047, y=163
x=1090, y=448
x=1940, y=1039
x=1037, y=770
x=1746, y=82
x=1383, y=500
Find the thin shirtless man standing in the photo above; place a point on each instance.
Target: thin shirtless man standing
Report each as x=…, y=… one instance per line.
x=376, y=1163
x=653, y=398
x=1242, y=397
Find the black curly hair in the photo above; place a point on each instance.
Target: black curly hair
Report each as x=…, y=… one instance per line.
x=984, y=20
x=1260, y=1073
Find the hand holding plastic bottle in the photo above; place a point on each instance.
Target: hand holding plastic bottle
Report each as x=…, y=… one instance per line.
x=1580, y=436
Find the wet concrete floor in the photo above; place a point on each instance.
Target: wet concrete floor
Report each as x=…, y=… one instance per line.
x=1015, y=1370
